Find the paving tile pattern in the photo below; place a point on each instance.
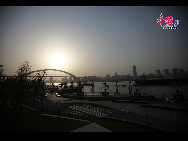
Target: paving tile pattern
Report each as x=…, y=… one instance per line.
x=90, y=110
x=93, y=127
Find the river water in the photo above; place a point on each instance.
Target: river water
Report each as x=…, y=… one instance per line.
x=157, y=91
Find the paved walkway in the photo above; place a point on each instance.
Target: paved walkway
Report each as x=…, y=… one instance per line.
x=166, y=119
x=93, y=127
x=162, y=118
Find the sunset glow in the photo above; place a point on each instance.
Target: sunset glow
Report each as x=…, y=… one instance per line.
x=58, y=61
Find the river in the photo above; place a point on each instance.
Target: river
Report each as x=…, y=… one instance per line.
x=157, y=91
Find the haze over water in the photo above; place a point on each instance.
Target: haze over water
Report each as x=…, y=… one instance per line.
x=93, y=40
x=157, y=91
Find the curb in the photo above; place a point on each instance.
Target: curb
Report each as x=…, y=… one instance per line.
x=133, y=122
x=164, y=107
x=8, y=104
x=29, y=107
x=63, y=117
x=130, y=101
x=54, y=115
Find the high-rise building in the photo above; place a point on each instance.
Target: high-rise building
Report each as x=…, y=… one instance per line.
x=108, y=77
x=64, y=79
x=186, y=73
x=157, y=72
x=181, y=72
x=51, y=80
x=70, y=78
x=115, y=74
x=166, y=72
x=175, y=72
x=134, y=71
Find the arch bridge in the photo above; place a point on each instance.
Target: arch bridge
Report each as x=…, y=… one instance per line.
x=43, y=70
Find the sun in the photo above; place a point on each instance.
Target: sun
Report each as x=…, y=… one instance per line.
x=58, y=61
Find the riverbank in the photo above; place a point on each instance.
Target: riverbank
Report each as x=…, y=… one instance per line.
x=144, y=115
x=110, y=98
x=33, y=119
x=157, y=114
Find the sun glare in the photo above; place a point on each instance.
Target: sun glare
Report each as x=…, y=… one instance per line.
x=58, y=61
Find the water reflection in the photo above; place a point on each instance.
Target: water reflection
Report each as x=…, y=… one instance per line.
x=157, y=91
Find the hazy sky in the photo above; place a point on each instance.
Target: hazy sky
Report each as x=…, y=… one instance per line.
x=95, y=40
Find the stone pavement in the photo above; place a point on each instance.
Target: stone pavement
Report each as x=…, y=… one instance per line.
x=161, y=118
x=165, y=119
x=93, y=127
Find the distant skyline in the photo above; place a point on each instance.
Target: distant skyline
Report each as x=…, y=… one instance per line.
x=93, y=40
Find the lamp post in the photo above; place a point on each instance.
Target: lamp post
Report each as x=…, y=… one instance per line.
x=58, y=107
x=147, y=117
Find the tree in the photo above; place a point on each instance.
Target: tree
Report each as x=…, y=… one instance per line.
x=39, y=86
x=65, y=88
x=1, y=76
x=72, y=87
x=1, y=72
x=79, y=89
x=22, y=72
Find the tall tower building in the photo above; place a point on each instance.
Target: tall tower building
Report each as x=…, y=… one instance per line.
x=181, y=72
x=134, y=71
x=166, y=72
x=70, y=78
x=175, y=72
x=157, y=72
x=51, y=80
x=115, y=74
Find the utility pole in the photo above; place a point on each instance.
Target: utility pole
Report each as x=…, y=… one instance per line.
x=147, y=117
x=58, y=107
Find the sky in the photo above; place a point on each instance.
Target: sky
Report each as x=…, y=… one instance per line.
x=94, y=40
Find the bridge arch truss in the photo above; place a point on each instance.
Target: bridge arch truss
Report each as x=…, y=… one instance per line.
x=53, y=70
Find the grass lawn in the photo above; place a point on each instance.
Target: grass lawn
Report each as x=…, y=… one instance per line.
x=120, y=126
x=28, y=120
